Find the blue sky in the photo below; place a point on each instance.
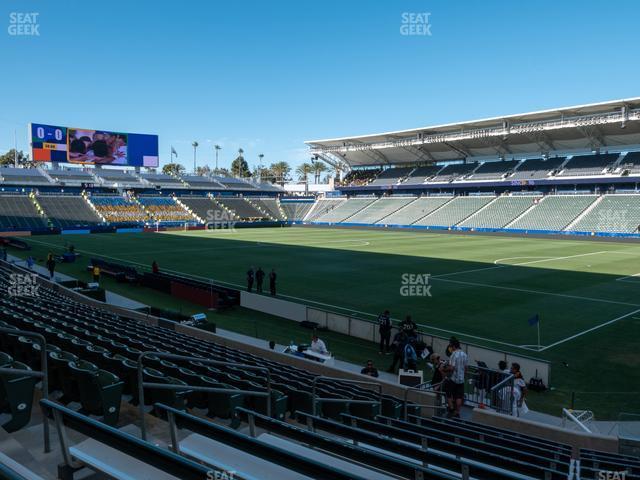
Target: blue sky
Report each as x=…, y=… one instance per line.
x=265, y=76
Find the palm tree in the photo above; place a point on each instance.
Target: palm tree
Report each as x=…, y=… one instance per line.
x=303, y=170
x=318, y=169
x=280, y=171
x=195, y=148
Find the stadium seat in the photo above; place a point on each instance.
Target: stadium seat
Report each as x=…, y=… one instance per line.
x=16, y=394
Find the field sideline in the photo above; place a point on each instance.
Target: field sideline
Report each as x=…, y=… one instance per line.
x=483, y=288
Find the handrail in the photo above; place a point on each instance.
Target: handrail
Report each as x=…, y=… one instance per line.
x=319, y=378
x=43, y=374
x=421, y=405
x=124, y=442
x=161, y=386
x=249, y=444
x=569, y=414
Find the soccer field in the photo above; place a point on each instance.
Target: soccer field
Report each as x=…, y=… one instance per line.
x=482, y=288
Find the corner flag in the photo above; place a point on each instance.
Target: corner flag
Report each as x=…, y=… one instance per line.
x=535, y=320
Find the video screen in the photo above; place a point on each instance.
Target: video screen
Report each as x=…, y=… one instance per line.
x=93, y=147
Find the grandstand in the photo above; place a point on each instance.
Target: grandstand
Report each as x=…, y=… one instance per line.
x=161, y=180
x=613, y=213
x=451, y=172
x=588, y=165
x=67, y=211
x=118, y=178
x=455, y=211
x=414, y=211
x=233, y=183
x=345, y=210
x=421, y=175
x=537, y=168
x=204, y=182
x=494, y=170
x=240, y=208
x=69, y=177
x=296, y=210
x=500, y=212
x=322, y=206
x=22, y=176
x=392, y=176
x=553, y=213
x=19, y=212
x=380, y=209
x=270, y=206
x=118, y=209
x=165, y=209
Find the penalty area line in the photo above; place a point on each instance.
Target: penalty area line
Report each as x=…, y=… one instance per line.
x=592, y=329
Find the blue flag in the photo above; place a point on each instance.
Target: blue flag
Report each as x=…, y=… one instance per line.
x=534, y=320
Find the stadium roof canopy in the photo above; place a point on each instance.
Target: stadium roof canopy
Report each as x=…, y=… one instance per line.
x=603, y=126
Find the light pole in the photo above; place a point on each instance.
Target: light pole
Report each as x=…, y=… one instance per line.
x=217, y=148
x=195, y=148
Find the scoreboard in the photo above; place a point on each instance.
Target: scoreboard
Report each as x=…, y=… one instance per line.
x=50, y=143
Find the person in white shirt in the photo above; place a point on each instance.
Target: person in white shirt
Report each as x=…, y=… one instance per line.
x=318, y=345
x=519, y=391
x=454, y=386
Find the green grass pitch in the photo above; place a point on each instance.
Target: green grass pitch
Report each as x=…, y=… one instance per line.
x=483, y=289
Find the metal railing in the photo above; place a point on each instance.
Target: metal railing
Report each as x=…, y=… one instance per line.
x=485, y=387
x=175, y=387
x=43, y=374
x=424, y=387
x=315, y=398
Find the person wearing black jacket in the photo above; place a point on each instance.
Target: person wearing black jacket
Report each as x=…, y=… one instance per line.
x=259, y=279
x=250, y=276
x=409, y=327
x=384, y=328
x=272, y=282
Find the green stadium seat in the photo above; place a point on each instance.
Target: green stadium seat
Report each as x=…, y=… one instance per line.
x=58, y=362
x=100, y=393
x=16, y=396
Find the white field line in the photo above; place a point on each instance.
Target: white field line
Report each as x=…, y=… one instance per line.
x=626, y=279
x=536, y=292
x=589, y=330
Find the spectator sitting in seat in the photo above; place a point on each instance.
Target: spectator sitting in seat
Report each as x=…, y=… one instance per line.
x=318, y=345
x=370, y=370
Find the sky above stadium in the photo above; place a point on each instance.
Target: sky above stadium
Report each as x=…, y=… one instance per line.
x=265, y=76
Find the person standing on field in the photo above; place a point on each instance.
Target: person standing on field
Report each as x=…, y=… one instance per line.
x=272, y=282
x=250, y=277
x=259, y=279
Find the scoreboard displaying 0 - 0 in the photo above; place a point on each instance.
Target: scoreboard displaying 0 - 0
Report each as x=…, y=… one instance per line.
x=48, y=143
x=51, y=143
